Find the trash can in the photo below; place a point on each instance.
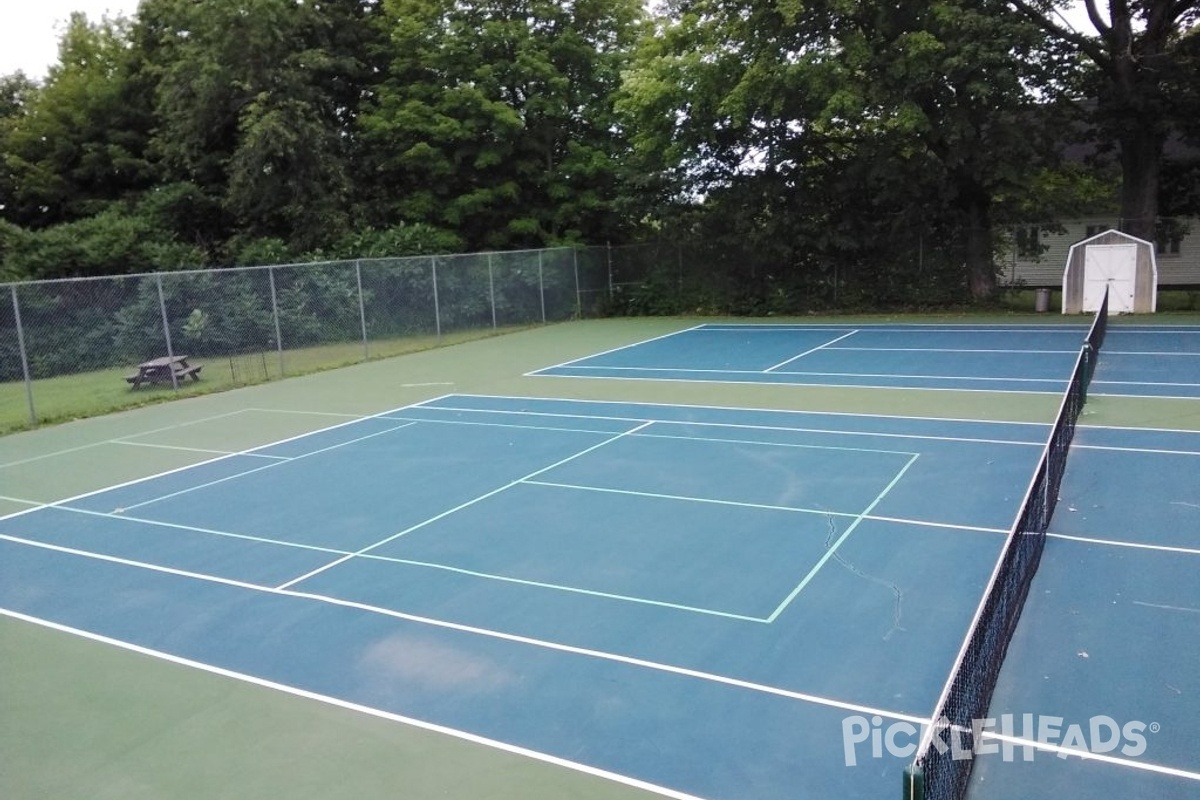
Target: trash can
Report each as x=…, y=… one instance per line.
x=1042, y=303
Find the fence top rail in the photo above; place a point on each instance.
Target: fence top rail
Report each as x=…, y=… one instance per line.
x=9, y=285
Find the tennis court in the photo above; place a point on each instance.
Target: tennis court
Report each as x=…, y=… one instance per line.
x=676, y=596
x=1140, y=361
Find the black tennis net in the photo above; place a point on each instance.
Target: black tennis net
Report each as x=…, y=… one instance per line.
x=944, y=759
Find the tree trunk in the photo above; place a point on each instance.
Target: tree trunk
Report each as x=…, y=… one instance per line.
x=981, y=270
x=1141, y=163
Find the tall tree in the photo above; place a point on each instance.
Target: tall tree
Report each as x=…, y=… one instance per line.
x=255, y=101
x=495, y=118
x=1148, y=79
x=862, y=122
x=79, y=143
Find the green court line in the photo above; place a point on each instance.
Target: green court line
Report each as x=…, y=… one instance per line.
x=845, y=535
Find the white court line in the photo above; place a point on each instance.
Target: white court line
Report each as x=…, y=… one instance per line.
x=1145, y=396
x=356, y=707
x=288, y=460
x=956, y=350
x=897, y=327
x=845, y=535
x=461, y=506
x=468, y=423
x=1132, y=763
x=247, y=451
x=783, y=384
x=1152, y=450
x=773, y=428
x=698, y=406
x=1148, y=354
x=1192, y=431
x=1166, y=607
x=810, y=350
x=614, y=350
x=484, y=632
x=1191, y=551
x=1141, y=383
x=690, y=370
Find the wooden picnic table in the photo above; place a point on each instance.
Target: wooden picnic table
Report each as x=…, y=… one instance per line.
x=162, y=370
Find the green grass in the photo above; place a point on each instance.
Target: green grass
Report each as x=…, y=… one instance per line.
x=90, y=394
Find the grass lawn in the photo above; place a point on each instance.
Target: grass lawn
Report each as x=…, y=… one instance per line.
x=89, y=394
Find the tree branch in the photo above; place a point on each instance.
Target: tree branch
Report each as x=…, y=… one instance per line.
x=1086, y=45
x=1097, y=20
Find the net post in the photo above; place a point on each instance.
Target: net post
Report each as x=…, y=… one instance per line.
x=914, y=783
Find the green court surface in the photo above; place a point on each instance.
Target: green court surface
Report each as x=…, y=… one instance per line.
x=83, y=718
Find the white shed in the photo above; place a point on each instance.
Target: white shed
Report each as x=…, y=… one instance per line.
x=1121, y=263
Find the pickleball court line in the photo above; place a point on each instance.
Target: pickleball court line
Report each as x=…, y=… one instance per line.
x=337, y=551
x=809, y=351
x=461, y=506
x=286, y=460
x=616, y=349
x=838, y=543
x=766, y=507
x=204, y=462
x=70, y=450
x=183, y=449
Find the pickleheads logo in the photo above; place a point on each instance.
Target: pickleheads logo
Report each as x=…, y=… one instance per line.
x=996, y=736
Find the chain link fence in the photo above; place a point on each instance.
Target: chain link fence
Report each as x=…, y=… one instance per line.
x=72, y=347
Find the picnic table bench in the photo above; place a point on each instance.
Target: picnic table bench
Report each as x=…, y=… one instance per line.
x=163, y=370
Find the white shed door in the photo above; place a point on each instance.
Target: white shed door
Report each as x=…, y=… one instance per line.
x=1114, y=266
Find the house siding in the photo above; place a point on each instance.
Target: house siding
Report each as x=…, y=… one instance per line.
x=1174, y=269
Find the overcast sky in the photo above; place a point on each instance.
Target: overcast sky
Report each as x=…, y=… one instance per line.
x=29, y=29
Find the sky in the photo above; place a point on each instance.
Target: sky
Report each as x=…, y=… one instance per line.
x=29, y=29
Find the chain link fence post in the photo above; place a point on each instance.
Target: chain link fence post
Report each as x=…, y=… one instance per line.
x=162, y=306
x=24, y=355
x=362, y=309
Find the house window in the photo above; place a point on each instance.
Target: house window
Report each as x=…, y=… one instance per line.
x=1168, y=236
x=1029, y=242
x=1092, y=230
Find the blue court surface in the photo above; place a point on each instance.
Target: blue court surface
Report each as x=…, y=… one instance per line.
x=694, y=599
x=1156, y=361
x=1109, y=641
